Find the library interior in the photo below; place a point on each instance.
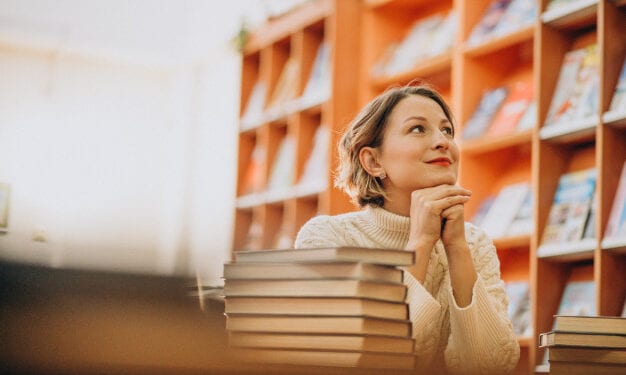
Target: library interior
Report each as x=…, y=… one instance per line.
x=187, y=144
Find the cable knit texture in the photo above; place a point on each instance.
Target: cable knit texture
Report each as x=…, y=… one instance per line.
x=476, y=339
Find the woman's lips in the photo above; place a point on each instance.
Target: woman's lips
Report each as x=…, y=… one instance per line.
x=440, y=161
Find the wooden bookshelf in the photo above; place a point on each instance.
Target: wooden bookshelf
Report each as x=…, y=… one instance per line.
x=360, y=33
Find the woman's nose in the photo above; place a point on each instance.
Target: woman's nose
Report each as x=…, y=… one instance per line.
x=441, y=140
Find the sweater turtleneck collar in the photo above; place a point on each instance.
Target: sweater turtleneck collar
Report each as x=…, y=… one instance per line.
x=387, y=220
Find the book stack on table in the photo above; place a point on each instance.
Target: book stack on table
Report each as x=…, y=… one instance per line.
x=340, y=307
x=586, y=345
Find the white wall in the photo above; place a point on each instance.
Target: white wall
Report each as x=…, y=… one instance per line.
x=118, y=132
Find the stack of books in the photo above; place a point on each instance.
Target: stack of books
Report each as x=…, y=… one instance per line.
x=586, y=345
x=340, y=307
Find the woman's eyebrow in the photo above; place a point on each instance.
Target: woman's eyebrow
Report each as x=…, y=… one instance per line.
x=419, y=118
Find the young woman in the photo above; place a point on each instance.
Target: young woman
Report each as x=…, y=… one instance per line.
x=399, y=163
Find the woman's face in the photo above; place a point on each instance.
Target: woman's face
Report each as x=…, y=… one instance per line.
x=418, y=149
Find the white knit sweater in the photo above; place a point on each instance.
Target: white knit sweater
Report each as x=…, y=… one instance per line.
x=476, y=339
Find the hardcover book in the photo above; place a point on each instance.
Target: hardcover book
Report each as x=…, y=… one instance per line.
x=301, y=324
x=590, y=324
x=320, y=270
x=363, y=343
x=391, y=257
x=316, y=288
x=345, y=306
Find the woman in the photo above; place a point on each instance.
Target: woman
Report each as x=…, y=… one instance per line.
x=399, y=163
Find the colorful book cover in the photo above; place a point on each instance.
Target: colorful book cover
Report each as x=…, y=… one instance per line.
x=570, y=207
x=586, y=92
x=504, y=208
x=516, y=103
x=489, y=104
x=489, y=20
x=562, y=99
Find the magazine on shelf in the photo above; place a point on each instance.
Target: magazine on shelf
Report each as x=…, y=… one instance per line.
x=518, y=293
x=488, y=22
x=579, y=298
x=504, y=209
x=253, y=111
x=483, y=209
x=315, y=174
x=480, y=120
x=523, y=221
x=318, y=85
x=282, y=172
x=518, y=100
x=285, y=88
x=253, y=178
x=569, y=211
x=518, y=15
x=572, y=94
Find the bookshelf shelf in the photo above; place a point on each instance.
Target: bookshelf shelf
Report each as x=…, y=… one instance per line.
x=359, y=33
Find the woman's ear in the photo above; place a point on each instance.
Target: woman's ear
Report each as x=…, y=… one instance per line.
x=368, y=156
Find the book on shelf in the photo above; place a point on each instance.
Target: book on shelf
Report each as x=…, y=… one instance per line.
x=579, y=298
x=576, y=92
x=483, y=209
x=586, y=355
x=522, y=223
x=529, y=118
x=319, y=270
x=616, y=225
x=392, y=257
x=590, y=324
x=504, y=209
x=569, y=211
x=324, y=324
x=518, y=100
x=282, y=171
x=253, y=111
x=253, y=178
x=318, y=84
x=596, y=340
x=363, y=343
x=286, y=85
x=518, y=293
x=356, y=359
x=315, y=174
x=428, y=37
x=518, y=15
x=488, y=21
x=480, y=120
x=315, y=288
x=346, y=306
x=618, y=101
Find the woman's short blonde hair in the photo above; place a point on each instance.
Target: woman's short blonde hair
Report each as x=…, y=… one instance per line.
x=367, y=130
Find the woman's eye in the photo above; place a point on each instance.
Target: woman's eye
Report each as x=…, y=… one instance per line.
x=418, y=129
x=448, y=130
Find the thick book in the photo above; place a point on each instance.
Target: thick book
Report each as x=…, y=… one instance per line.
x=585, y=368
x=303, y=324
x=590, y=324
x=591, y=340
x=616, y=226
x=570, y=209
x=326, y=358
x=346, y=306
x=582, y=354
x=391, y=257
x=316, y=288
x=320, y=270
x=363, y=343
x=480, y=120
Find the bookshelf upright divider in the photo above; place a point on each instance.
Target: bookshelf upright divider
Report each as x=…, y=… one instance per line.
x=365, y=41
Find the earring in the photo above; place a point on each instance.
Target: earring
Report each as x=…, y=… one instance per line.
x=382, y=175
